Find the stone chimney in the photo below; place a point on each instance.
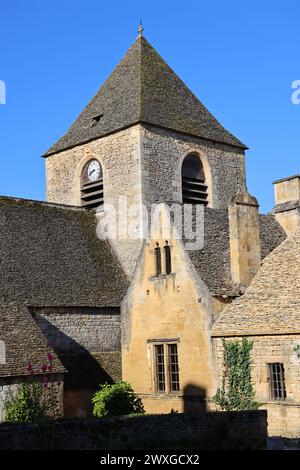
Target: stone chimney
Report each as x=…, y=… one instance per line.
x=244, y=239
x=287, y=203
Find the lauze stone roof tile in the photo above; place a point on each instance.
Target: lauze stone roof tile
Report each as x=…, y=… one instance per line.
x=271, y=305
x=213, y=263
x=143, y=88
x=49, y=256
x=24, y=343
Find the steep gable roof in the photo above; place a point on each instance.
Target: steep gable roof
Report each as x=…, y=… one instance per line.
x=143, y=88
x=213, y=261
x=271, y=305
x=50, y=255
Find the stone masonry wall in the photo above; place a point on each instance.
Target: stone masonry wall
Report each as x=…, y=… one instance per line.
x=79, y=330
x=119, y=155
x=143, y=163
x=162, y=155
x=237, y=430
x=283, y=416
x=87, y=341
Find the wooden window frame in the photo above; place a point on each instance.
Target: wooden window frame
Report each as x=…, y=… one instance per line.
x=277, y=381
x=166, y=345
x=168, y=258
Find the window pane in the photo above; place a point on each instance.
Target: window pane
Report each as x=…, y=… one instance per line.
x=277, y=381
x=168, y=259
x=160, y=368
x=157, y=261
x=173, y=368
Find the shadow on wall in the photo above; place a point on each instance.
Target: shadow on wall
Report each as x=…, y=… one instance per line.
x=194, y=399
x=84, y=373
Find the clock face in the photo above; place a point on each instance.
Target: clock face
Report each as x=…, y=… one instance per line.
x=93, y=170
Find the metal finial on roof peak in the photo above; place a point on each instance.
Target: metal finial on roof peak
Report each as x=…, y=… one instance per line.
x=140, y=29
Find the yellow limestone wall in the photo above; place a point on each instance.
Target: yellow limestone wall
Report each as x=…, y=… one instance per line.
x=289, y=220
x=244, y=238
x=283, y=415
x=175, y=306
x=288, y=190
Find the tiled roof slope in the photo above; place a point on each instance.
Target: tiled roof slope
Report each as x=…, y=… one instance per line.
x=271, y=305
x=51, y=256
x=213, y=263
x=24, y=343
x=143, y=88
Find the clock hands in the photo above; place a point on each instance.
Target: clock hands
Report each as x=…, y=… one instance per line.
x=93, y=171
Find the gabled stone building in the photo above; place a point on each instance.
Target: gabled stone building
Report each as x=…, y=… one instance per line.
x=94, y=272
x=60, y=285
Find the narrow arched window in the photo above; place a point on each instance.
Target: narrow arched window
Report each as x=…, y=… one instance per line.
x=92, y=185
x=194, y=187
x=167, y=252
x=157, y=254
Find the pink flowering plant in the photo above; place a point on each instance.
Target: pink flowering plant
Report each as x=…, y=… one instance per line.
x=35, y=400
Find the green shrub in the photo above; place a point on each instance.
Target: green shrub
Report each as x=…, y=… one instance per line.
x=26, y=406
x=35, y=400
x=116, y=400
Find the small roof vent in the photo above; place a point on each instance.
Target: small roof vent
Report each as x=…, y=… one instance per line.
x=96, y=119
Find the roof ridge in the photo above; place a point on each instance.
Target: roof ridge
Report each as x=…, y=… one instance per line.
x=140, y=38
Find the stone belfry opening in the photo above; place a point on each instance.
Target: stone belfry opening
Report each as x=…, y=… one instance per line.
x=92, y=185
x=194, y=187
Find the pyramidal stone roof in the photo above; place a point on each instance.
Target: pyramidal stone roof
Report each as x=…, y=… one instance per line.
x=143, y=89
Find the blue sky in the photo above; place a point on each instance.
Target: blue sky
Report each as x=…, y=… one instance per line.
x=239, y=58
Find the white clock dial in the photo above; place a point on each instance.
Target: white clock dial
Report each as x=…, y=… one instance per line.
x=93, y=170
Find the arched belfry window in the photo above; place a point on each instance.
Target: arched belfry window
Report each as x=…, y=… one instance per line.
x=194, y=187
x=92, y=185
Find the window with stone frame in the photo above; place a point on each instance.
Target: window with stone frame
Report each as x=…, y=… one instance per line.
x=277, y=381
x=166, y=367
x=193, y=182
x=91, y=187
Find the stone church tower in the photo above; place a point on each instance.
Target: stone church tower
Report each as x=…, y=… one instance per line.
x=132, y=139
